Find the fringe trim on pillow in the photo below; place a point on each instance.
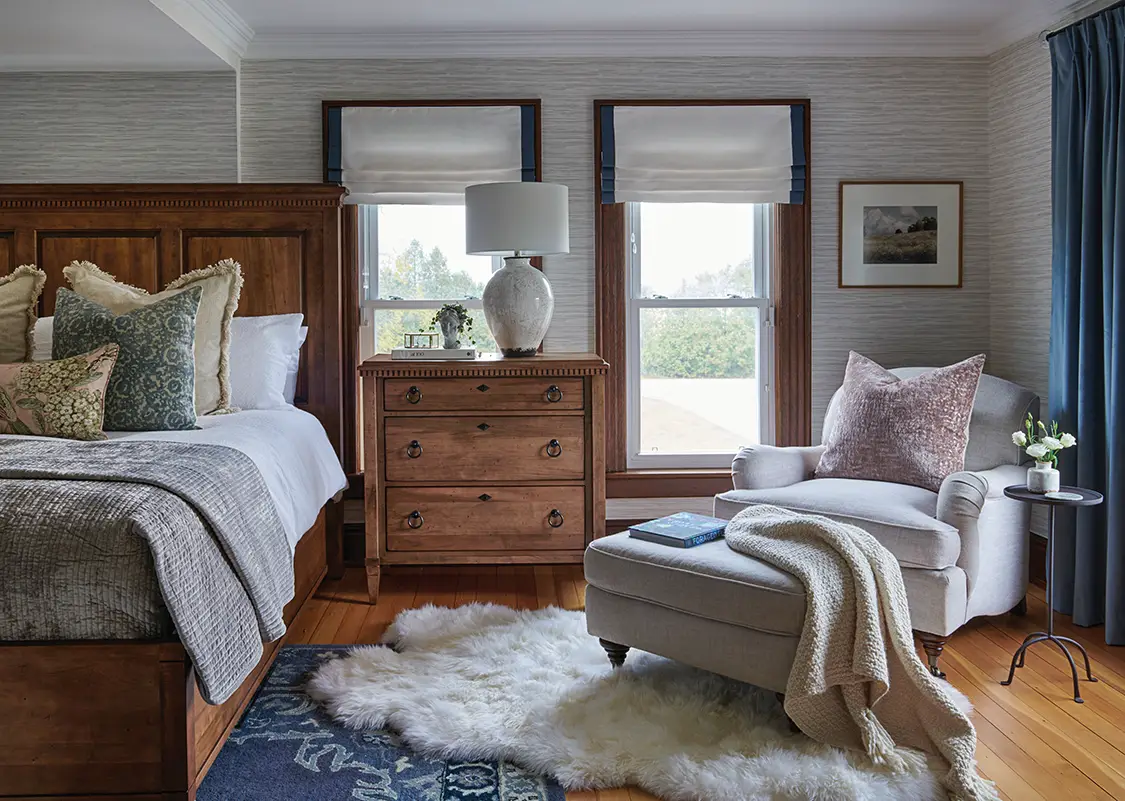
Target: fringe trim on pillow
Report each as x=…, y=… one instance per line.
x=40, y=278
x=97, y=272
x=226, y=267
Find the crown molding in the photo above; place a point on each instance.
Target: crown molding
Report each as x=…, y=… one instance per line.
x=1017, y=27
x=606, y=44
x=214, y=24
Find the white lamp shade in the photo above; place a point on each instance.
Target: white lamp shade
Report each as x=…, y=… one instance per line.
x=527, y=217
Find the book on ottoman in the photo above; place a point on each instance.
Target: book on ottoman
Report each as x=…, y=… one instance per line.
x=681, y=530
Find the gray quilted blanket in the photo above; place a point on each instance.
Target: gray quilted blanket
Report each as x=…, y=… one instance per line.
x=218, y=549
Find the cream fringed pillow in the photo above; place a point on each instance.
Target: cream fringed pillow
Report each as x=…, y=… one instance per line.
x=221, y=284
x=19, y=294
x=908, y=431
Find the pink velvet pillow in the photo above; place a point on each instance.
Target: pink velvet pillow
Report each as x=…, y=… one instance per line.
x=909, y=431
x=63, y=398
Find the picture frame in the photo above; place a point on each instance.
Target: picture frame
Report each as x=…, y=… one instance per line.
x=901, y=234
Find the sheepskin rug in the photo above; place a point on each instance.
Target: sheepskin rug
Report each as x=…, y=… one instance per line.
x=532, y=687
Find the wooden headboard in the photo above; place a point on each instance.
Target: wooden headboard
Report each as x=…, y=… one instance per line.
x=285, y=236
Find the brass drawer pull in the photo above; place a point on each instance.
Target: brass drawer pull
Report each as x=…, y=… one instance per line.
x=555, y=519
x=554, y=394
x=415, y=519
x=414, y=395
x=554, y=449
x=414, y=449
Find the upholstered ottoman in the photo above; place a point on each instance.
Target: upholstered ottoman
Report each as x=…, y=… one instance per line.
x=705, y=606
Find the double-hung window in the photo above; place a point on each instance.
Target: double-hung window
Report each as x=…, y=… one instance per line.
x=699, y=347
x=413, y=261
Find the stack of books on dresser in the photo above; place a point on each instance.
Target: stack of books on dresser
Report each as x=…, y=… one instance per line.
x=434, y=354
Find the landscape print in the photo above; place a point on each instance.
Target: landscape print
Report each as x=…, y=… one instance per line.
x=900, y=234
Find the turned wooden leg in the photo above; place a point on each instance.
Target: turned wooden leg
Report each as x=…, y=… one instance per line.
x=934, y=645
x=1020, y=609
x=373, y=574
x=615, y=652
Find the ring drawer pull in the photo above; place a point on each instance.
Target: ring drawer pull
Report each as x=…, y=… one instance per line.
x=414, y=395
x=415, y=519
x=554, y=394
x=554, y=449
x=555, y=519
x=414, y=449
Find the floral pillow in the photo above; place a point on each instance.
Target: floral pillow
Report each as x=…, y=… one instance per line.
x=64, y=398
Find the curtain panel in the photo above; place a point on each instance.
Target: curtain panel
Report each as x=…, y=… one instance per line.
x=1087, y=365
x=703, y=154
x=428, y=154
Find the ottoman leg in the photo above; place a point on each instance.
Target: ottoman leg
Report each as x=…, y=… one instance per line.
x=615, y=652
x=934, y=645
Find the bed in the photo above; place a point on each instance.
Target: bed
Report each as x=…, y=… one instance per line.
x=125, y=717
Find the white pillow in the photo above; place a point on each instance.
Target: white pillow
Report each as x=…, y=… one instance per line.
x=261, y=352
x=294, y=366
x=42, y=339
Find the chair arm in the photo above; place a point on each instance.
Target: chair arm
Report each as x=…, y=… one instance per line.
x=961, y=501
x=768, y=467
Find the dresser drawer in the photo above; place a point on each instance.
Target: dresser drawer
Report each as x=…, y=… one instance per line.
x=483, y=448
x=482, y=394
x=485, y=518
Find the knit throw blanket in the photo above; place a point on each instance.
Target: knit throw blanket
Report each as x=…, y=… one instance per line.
x=857, y=681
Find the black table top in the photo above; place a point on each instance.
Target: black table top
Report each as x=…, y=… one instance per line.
x=1021, y=493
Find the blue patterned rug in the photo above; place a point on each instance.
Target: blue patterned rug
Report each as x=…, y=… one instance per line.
x=286, y=748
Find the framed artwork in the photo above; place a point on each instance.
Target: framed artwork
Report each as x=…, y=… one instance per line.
x=901, y=233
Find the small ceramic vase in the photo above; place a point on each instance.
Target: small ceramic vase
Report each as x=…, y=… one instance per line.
x=1042, y=478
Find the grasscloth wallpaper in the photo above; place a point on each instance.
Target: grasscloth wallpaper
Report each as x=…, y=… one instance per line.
x=115, y=127
x=872, y=118
x=1019, y=124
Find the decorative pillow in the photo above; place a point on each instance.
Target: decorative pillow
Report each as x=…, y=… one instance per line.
x=261, y=350
x=909, y=431
x=19, y=294
x=153, y=384
x=221, y=285
x=64, y=398
x=41, y=339
x=295, y=367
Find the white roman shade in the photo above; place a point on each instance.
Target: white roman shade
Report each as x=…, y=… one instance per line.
x=703, y=154
x=428, y=154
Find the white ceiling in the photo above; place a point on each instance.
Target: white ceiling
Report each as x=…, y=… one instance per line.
x=96, y=35
x=218, y=34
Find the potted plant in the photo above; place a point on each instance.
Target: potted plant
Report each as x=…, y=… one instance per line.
x=1043, y=445
x=454, y=321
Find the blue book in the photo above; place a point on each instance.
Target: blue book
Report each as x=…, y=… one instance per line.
x=681, y=530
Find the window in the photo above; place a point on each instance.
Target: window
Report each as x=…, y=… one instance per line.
x=413, y=260
x=698, y=350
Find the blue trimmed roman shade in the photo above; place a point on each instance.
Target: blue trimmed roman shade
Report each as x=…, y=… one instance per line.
x=703, y=154
x=428, y=154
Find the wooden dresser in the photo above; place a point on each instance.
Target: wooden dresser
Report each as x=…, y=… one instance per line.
x=497, y=461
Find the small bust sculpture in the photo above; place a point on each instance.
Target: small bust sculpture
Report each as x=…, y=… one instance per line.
x=453, y=319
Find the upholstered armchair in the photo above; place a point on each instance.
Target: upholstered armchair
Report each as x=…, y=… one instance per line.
x=963, y=550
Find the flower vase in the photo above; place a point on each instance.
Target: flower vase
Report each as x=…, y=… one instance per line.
x=1042, y=478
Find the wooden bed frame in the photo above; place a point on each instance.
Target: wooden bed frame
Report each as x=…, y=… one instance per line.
x=86, y=721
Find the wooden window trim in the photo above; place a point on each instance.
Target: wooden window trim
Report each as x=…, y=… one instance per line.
x=792, y=286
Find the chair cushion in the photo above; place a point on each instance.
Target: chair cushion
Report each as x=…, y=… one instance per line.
x=899, y=516
x=709, y=581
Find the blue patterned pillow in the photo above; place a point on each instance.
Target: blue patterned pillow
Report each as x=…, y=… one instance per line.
x=152, y=387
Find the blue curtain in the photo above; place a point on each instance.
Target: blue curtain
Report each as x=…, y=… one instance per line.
x=1088, y=313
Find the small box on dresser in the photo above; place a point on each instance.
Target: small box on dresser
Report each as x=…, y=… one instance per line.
x=496, y=461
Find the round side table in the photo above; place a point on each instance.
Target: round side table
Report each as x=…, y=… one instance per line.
x=1052, y=501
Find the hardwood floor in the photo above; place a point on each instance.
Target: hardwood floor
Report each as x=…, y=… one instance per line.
x=1034, y=741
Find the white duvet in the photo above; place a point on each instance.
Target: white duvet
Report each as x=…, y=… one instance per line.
x=290, y=449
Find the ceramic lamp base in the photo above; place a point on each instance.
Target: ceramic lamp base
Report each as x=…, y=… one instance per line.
x=518, y=304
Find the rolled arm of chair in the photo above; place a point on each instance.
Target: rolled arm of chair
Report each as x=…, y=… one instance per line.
x=769, y=467
x=962, y=499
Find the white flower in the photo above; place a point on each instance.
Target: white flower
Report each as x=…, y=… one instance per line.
x=1052, y=444
x=1019, y=438
x=1037, y=450
x=1068, y=440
